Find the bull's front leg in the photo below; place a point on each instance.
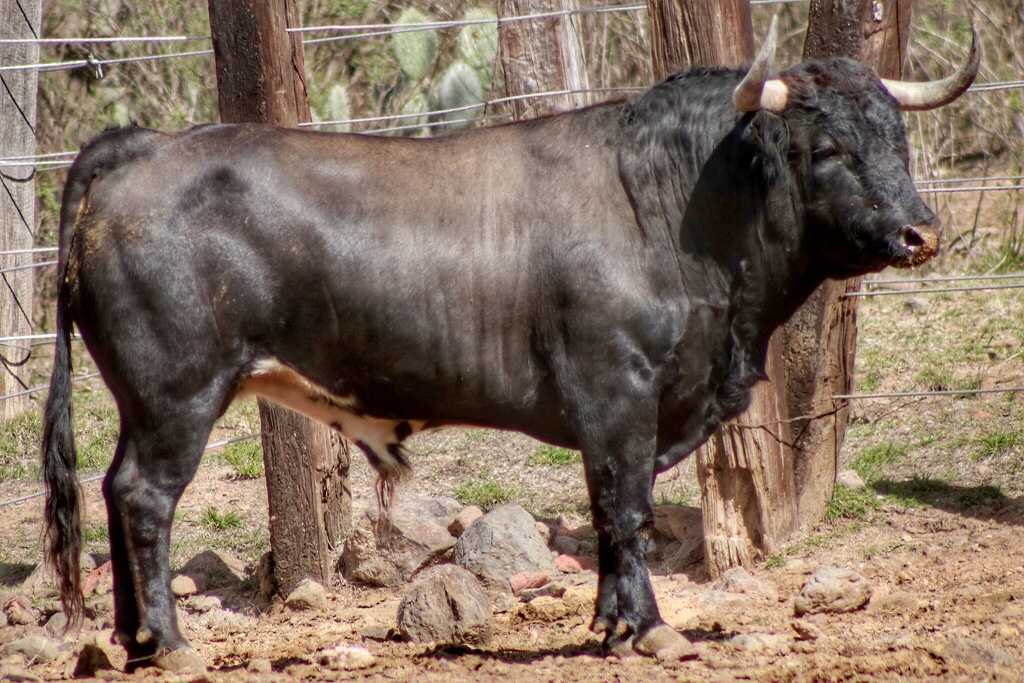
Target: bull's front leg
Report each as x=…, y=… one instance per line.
x=618, y=442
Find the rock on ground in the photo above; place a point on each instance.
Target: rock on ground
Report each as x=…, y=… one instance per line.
x=833, y=589
x=308, y=595
x=738, y=580
x=416, y=537
x=501, y=544
x=215, y=569
x=446, y=604
x=343, y=657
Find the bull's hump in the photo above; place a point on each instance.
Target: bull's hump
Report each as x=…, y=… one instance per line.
x=380, y=438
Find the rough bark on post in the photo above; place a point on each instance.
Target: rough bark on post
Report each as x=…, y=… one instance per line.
x=261, y=78
x=821, y=339
x=542, y=55
x=746, y=468
x=689, y=32
x=18, y=196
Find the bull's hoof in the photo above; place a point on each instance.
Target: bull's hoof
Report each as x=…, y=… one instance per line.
x=182, y=660
x=665, y=643
x=602, y=625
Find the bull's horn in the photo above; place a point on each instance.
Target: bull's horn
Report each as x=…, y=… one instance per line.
x=757, y=91
x=934, y=94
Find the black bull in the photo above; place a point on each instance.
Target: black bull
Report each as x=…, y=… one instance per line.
x=606, y=279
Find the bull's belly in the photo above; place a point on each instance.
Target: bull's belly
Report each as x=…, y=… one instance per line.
x=380, y=438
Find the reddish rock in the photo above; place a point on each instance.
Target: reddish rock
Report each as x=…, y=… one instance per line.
x=467, y=516
x=574, y=564
x=524, y=580
x=99, y=581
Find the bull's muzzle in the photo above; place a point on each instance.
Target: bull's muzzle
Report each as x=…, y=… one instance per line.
x=919, y=243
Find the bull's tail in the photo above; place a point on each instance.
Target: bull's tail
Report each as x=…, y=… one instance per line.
x=63, y=509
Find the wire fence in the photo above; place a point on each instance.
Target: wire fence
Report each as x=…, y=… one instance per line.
x=399, y=122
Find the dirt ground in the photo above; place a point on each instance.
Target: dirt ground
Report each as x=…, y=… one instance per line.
x=947, y=604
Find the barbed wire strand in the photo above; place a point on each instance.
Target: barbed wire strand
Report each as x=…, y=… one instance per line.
x=930, y=392
x=935, y=290
x=943, y=278
x=88, y=480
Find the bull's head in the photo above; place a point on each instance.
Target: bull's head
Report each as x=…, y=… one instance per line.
x=848, y=152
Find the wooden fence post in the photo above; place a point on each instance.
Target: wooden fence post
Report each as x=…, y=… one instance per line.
x=17, y=193
x=542, y=55
x=821, y=338
x=261, y=78
x=745, y=471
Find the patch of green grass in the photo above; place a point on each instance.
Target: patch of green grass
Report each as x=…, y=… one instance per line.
x=995, y=443
x=871, y=463
x=487, y=493
x=96, y=429
x=554, y=456
x=211, y=519
x=776, y=560
x=95, y=532
x=19, y=444
x=851, y=504
x=246, y=457
x=890, y=547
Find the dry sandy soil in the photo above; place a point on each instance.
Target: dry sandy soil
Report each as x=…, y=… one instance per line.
x=948, y=604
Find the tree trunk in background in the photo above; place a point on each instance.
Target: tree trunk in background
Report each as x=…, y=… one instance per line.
x=821, y=339
x=542, y=55
x=261, y=78
x=690, y=32
x=18, y=196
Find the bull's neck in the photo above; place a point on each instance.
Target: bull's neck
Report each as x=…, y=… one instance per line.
x=712, y=187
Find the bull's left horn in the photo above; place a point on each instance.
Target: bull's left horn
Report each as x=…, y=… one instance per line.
x=934, y=94
x=757, y=91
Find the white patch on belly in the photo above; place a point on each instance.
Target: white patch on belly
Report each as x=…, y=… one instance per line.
x=277, y=382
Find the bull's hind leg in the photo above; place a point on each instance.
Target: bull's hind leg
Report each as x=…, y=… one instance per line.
x=155, y=460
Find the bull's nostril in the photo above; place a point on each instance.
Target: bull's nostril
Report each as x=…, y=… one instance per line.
x=911, y=237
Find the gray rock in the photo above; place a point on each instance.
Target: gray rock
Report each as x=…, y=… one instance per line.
x=308, y=595
x=57, y=624
x=738, y=580
x=344, y=657
x=446, y=604
x=416, y=537
x=20, y=611
x=467, y=516
x=833, y=589
x=757, y=642
x=215, y=569
x=3, y=619
x=40, y=583
x=501, y=544
x=685, y=524
x=36, y=648
x=201, y=604
x=850, y=479
x=566, y=545
x=549, y=590
x=976, y=653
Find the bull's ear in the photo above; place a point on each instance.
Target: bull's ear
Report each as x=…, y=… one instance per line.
x=757, y=91
x=934, y=94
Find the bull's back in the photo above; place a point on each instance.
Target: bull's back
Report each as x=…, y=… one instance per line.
x=415, y=274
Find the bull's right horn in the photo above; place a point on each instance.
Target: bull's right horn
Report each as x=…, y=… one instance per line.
x=757, y=91
x=934, y=94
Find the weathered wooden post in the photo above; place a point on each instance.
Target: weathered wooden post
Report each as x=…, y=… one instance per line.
x=542, y=55
x=745, y=471
x=18, y=20
x=821, y=339
x=261, y=78
x=756, y=488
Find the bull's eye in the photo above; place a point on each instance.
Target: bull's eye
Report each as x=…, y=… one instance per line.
x=824, y=151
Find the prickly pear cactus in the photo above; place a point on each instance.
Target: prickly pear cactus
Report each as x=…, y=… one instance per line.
x=414, y=50
x=338, y=107
x=478, y=43
x=459, y=87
